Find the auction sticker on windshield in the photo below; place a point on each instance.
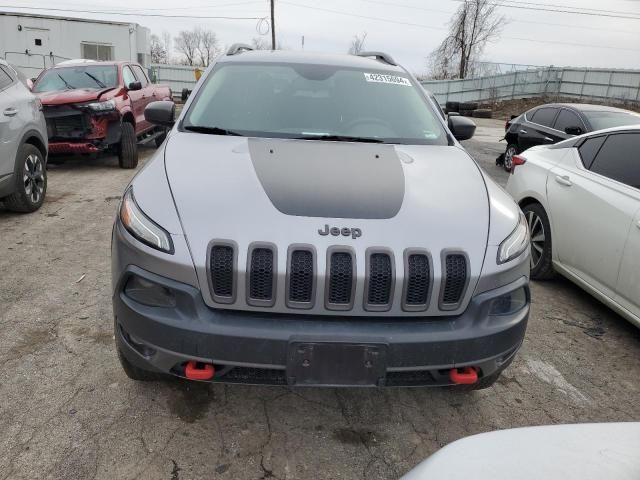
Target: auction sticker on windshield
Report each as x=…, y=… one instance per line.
x=392, y=79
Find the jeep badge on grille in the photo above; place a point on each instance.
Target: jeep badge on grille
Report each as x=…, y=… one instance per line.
x=344, y=231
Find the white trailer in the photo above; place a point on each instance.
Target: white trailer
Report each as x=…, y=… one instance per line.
x=33, y=42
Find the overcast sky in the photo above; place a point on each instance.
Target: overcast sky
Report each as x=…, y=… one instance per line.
x=407, y=29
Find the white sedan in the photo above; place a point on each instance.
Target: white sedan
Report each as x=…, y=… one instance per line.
x=581, y=199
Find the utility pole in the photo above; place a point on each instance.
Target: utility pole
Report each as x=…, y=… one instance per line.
x=273, y=26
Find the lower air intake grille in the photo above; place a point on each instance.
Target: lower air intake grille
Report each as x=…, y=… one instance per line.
x=380, y=279
x=340, y=278
x=455, y=279
x=221, y=266
x=261, y=274
x=301, y=276
x=418, y=279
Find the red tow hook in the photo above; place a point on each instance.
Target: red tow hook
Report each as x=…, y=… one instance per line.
x=463, y=376
x=199, y=371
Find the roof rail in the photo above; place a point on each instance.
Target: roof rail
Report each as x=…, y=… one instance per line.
x=238, y=48
x=384, y=57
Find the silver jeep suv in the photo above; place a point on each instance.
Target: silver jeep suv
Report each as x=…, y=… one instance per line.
x=23, y=143
x=313, y=220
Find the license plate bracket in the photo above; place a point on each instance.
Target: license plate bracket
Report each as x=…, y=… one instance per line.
x=336, y=364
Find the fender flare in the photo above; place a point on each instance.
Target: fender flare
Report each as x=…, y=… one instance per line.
x=29, y=134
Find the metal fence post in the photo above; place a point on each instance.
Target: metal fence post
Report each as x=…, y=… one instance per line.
x=584, y=80
x=513, y=90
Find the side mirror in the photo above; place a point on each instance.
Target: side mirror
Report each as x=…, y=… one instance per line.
x=161, y=113
x=133, y=86
x=30, y=83
x=573, y=130
x=462, y=128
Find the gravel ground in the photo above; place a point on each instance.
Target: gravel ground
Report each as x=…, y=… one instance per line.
x=67, y=411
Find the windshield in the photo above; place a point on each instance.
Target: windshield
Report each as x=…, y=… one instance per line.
x=608, y=119
x=314, y=102
x=86, y=76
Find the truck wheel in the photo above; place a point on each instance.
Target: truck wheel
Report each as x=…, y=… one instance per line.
x=541, y=260
x=128, y=147
x=30, y=181
x=160, y=138
x=138, y=374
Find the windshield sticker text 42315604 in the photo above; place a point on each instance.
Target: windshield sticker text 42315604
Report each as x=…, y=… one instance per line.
x=392, y=79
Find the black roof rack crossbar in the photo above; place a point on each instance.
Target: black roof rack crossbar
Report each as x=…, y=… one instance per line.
x=385, y=57
x=238, y=48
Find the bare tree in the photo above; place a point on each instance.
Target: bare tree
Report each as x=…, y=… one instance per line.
x=475, y=23
x=357, y=44
x=187, y=43
x=158, y=50
x=259, y=43
x=207, y=46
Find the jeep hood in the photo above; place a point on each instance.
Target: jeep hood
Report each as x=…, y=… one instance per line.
x=284, y=191
x=78, y=95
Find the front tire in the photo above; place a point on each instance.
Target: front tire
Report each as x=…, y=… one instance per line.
x=128, y=147
x=31, y=181
x=512, y=149
x=541, y=260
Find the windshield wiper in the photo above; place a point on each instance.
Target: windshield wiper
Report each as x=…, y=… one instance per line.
x=100, y=84
x=339, y=138
x=66, y=84
x=211, y=130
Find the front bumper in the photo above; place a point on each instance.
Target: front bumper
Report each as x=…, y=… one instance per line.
x=251, y=347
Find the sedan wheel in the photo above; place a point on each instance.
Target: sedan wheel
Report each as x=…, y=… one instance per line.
x=508, y=156
x=537, y=237
x=541, y=261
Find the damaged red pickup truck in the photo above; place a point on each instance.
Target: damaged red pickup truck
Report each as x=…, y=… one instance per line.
x=93, y=107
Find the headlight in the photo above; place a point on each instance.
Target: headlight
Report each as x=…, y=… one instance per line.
x=509, y=303
x=107, y=106
x=141, y=226
x=516, y=243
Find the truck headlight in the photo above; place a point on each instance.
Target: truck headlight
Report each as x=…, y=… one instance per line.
x=142, y=227
x=516, y=243
x=107, y=106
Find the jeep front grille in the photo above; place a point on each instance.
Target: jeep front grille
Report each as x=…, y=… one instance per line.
x=379, y=282
x=261, y=277
x=340, y=281
x=455, y=281
x=221, y=267
x=310, y=284
x=301, y=278
x=417, y=281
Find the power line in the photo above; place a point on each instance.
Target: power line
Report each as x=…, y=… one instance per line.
x=103, y=12
x=592, y=14
x=397, y=22
x=537, y=4
x=413, y=7
x=443, y=28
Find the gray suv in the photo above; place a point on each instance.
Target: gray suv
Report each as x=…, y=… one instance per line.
x=23, y=143
x=313, y=220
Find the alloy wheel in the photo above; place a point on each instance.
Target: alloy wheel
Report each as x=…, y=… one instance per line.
x=33, y=178
x=536, y=229
x=508, y=157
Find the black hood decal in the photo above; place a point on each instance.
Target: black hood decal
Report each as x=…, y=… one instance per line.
x=329, y=179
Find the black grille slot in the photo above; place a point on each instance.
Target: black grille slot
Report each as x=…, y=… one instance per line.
x=418, y=279
x=380, y=279
x=340, y=278
x=221, y=266
x=261, y=274
x=301, y=276
x=455, y=279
